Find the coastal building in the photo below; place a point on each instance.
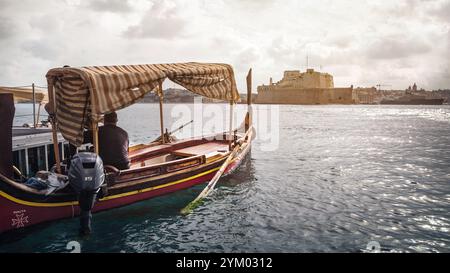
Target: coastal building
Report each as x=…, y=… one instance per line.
x=367, y=95
x=243, y=99
x=310, y=87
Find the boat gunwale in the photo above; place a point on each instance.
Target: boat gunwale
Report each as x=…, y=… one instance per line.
x=203, y=172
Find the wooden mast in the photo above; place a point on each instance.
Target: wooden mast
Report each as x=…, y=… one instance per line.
x=230, y=141
x=52, y=101
x=248, y=117
x=38, y=114
x=161, y=120
x=34, y=106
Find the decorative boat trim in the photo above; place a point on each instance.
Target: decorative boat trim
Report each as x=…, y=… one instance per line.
x=63, y=204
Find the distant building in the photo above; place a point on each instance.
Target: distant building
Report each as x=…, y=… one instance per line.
x=310, y=87
x=171, y=95
x=367, y=95
x=243, y=99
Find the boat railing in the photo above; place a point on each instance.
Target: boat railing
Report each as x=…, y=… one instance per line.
x=146, y=152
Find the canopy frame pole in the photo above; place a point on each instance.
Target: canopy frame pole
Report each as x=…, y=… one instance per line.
x=34, y=105
x=95, y=135
x=161, y=119
x=38, y=115
x=52, y=102
x=231, y=125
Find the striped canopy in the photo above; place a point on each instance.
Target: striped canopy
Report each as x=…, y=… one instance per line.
x=88, y=93
x=25, y=94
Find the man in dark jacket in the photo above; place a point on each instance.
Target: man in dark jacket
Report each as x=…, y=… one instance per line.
x=113, y=143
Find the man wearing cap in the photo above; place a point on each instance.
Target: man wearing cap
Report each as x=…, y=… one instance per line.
x=113, y=143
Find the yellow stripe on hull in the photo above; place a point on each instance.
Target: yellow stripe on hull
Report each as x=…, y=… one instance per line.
x=36, y=204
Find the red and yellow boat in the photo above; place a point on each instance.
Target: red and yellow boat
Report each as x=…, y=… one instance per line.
x=78, y=99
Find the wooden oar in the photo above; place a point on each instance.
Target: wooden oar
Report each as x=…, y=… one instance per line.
x=197, y=201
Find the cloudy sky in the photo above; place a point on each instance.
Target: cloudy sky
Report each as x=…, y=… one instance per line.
x=360, y=42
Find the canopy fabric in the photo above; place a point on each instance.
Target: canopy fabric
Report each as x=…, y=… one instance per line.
x=90, y=92
x=24, y=94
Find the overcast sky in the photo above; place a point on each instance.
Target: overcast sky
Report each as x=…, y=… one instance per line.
x=360, y=42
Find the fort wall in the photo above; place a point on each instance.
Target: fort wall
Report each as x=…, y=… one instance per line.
x=307, y=96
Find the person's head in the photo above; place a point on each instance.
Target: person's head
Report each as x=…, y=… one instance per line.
x=49, y=108
x=110, y=118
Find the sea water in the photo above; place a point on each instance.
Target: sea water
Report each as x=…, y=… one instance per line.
x=319, y=179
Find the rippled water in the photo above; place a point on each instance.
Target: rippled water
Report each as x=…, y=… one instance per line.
x=341, y=176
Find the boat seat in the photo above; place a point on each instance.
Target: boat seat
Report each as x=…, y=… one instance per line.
x=148, y=152
x=203, y=149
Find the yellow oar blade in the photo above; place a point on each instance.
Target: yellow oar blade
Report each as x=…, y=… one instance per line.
x=191, y=206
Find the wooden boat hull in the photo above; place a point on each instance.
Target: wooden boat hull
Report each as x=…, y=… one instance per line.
x=20, y=210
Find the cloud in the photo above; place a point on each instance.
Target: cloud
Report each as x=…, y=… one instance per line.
x=397, y=47
x=441, y=11
x=254, y=5
x=43, y=49
x=7, y=28
x=342, y=41
x=360, y=42
x=115, y=6
x=163, y=20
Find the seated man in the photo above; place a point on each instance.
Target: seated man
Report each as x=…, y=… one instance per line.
x=113, y=143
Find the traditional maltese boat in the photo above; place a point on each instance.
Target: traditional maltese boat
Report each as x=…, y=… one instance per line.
x=80, y=97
